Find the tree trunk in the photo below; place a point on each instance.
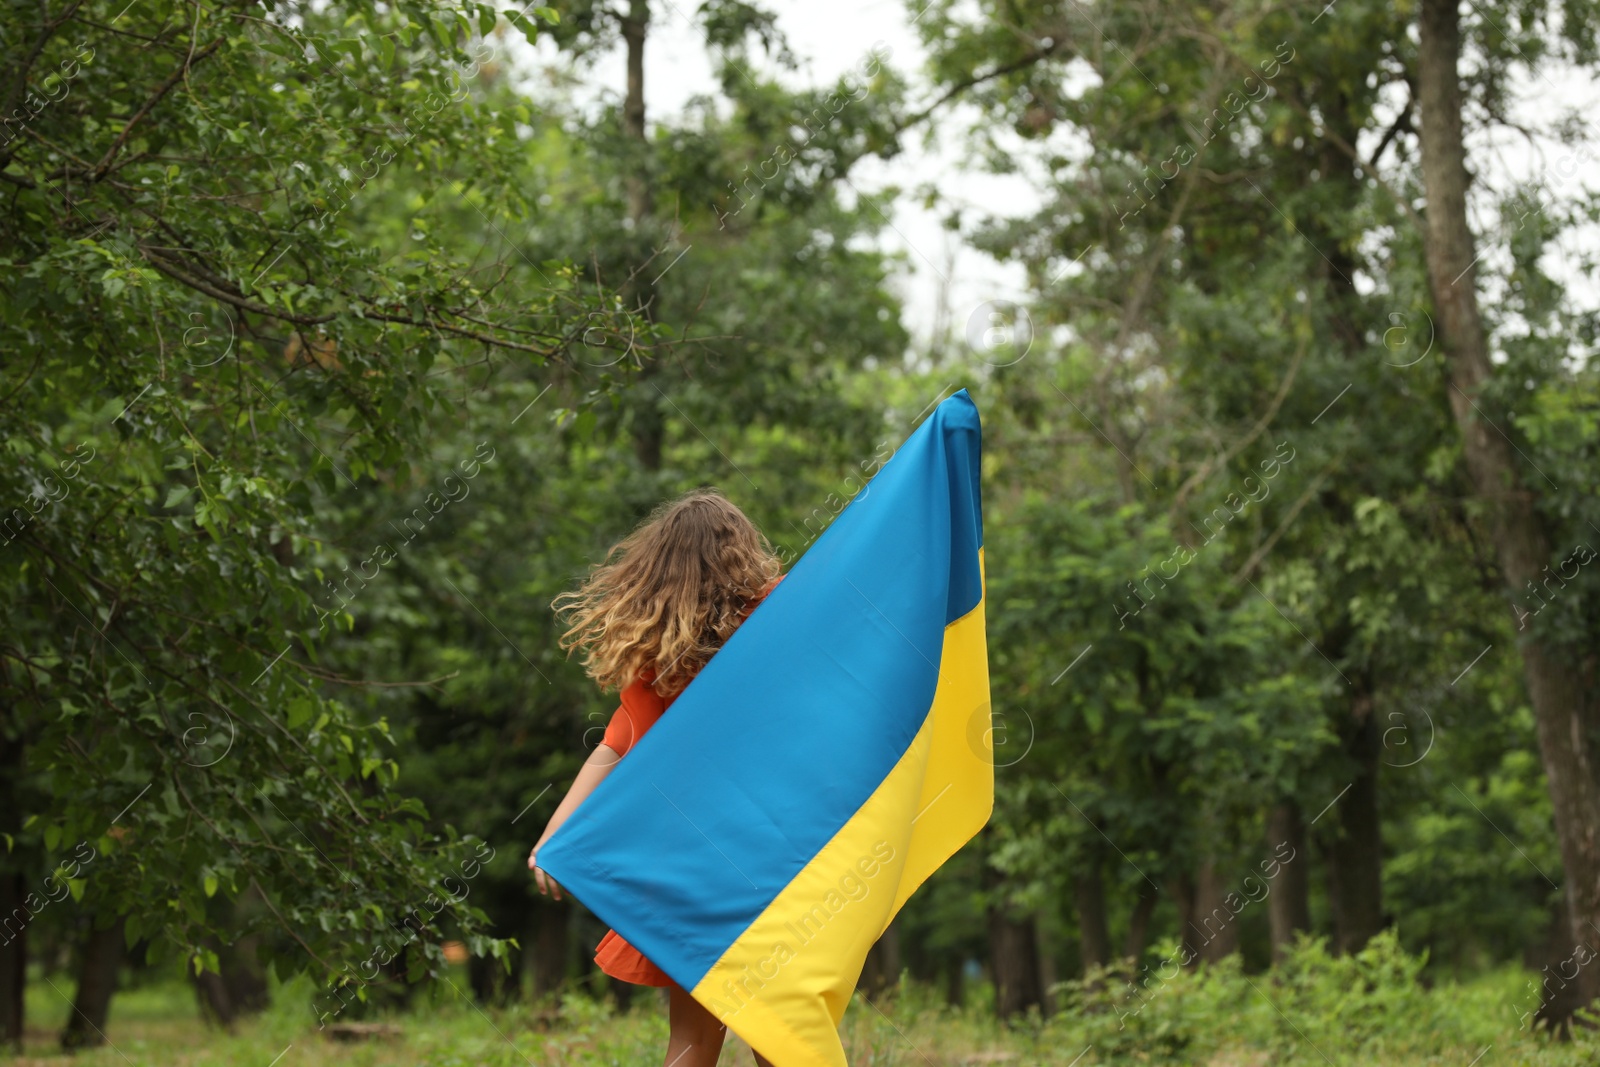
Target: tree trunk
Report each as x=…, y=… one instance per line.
x=1559, y=966
x=634, y=27
x=882, y=967
x=393, y=991
x=1094, y=938
x=551, y=947
x=1355, y=866
x=14, y=914
x=1014, y=959
x=244, y=977
x=99, y=959
x=893, y=958
x=13, y=956
x=955, y=986
x=1558, y=689
x=1044, y=950
x=1216, y=923
x=239, y=989
x=1289, y=890
x=1139, y=924
x=483, y=976
x=870, y=981
x=622, y=992
x=1183, y=896
x=1355, y=858
x=637, y=290
x=216, y=1007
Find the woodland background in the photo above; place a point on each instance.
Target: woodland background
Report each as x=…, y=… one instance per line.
x=331, y=354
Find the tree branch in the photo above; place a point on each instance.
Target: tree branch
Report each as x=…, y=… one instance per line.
x=1026, y=61
x=1343, y=146
x=1402, y=123
x=1260, y=554
x=155, y=98
x=166, y=267
x=1210, y=465
x=19, y=86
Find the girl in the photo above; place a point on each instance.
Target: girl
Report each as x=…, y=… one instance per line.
x=647, y=620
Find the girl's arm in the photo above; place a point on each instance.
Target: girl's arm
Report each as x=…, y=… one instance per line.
x=590, y=775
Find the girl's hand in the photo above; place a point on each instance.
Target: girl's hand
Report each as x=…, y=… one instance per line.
x=593, y=772
x=547, y=885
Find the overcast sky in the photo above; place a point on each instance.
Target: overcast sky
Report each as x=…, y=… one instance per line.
x=830, y=37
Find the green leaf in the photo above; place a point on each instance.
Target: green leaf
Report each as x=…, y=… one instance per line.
x=300, y=709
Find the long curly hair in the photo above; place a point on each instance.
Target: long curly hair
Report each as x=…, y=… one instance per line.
x=669, y=594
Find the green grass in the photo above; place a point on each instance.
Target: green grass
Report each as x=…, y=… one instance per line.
x=1318, y=1012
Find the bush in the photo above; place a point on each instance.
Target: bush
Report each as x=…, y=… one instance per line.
x=1314, y=1008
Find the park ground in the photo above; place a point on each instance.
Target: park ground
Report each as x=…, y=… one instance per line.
x=1335, y=1013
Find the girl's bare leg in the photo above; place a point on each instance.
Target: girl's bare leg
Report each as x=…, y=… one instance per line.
x=696, y=1037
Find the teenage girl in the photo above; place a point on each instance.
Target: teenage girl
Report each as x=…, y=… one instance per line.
x=647, y=620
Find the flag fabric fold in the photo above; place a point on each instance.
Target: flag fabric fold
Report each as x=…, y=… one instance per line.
x=830, y=757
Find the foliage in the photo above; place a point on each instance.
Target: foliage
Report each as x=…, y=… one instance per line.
x=334, y=350
x=1348, y=1010
x=1218, y=272
x=212, y=345
x=1316, y=1007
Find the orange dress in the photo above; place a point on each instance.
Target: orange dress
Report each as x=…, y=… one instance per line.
x=641, y=708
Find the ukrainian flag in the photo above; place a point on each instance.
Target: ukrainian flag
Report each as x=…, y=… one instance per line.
x=830, y=757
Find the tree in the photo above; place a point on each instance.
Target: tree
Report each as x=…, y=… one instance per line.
x=206, y=356
x=1560, y=677
x=1203, y=245
x=766, y=318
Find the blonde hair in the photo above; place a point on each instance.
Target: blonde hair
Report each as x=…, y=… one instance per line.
x=669, y=594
